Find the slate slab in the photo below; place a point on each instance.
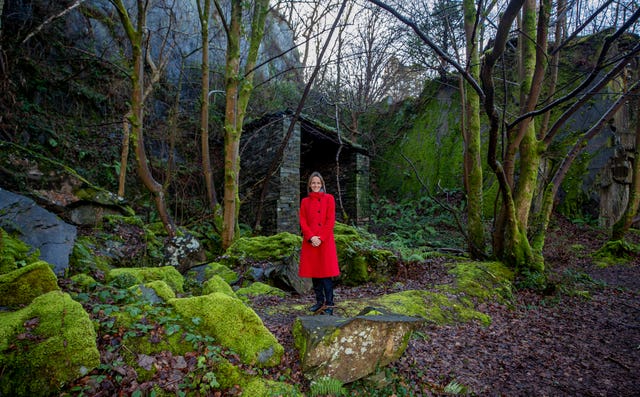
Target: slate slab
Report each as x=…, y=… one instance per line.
x=38, y=228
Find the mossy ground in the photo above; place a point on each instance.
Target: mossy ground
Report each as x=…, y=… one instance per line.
x=616, y=252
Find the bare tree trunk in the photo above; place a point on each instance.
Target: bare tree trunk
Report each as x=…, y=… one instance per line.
x=204, y=13
x=124, y=153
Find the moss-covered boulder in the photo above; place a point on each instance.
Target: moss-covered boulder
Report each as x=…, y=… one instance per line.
x=276, y=258
x=258, y=288
x=483, y=280
x=23, y=285
x=84, y=282
x=233, y=325
x=359, y=259
x=127, y=277
x=261, y=248
x=218, y=269
x=449, y=303
x=46, y=345
x=156, y=291
x=217, y=284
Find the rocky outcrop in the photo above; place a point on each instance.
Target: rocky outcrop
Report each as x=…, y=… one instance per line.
x=39, y=228
x=353, y=348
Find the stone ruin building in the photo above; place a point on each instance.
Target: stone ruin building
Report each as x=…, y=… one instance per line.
x=312, y=146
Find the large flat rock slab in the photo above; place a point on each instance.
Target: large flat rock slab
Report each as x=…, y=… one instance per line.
x=348, y=349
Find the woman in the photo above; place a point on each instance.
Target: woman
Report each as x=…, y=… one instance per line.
x=318, y=257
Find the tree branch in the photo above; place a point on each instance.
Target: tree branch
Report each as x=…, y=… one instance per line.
x=51, y=18
x=432, y=45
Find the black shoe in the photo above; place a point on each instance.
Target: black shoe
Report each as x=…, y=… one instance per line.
x=316, y=307
x=328, y=311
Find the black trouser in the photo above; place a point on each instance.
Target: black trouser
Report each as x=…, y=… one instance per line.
x=323, y=288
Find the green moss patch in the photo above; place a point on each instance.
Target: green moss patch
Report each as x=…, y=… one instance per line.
x=22, y=286
x=450, y=303
x=264, y=387
x=14, y=253
x=83, y=281
x=162, y=289
x=437, y=308
x=45, y=345
x=85, y=256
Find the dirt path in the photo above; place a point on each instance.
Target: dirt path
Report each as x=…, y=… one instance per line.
x=582, y=340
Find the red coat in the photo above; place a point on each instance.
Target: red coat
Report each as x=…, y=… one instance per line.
x=317, y=218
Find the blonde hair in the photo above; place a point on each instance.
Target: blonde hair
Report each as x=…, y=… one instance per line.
x=313, y=175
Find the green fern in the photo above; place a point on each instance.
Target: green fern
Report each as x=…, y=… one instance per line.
x=327, y=386
x=455, y=388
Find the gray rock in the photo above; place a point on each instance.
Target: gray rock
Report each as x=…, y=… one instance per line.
x=285, y=275
x=183, y=252
x=38, y=228
x=352, y=348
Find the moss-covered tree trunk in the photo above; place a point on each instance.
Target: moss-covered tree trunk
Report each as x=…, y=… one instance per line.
x=136, y=38
x=508, y=240
x=524, y=149
x=472, y=141
x=238, y=88
x=204, y=15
